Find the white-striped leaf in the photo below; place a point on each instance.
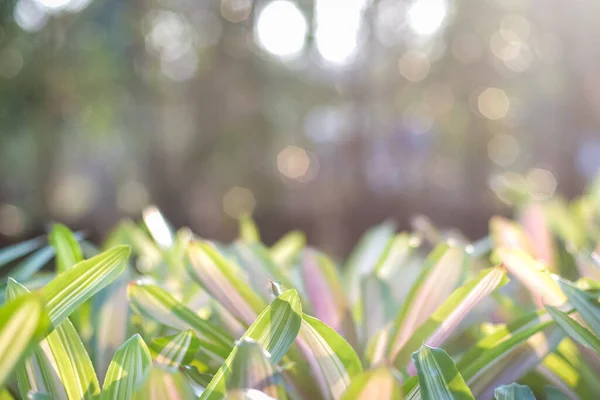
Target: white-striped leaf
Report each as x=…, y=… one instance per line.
x=438, y=377
x=251, y=368
x=128, y=370
x=379, y=384
x=332, y=360
x=23, y=322
x=59, y=365
x=448, y=316
x=165, y=385
x=153, y=302
x=585, y=304
x=174, y=351
x=513, y=391
x=441, y=275
x=275, y=330
x=215, y=274
x=70, y=289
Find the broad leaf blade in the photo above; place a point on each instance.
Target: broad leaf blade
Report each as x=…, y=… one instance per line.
x=73, y=287
x=215, y=274
x=586, y=304
x=165, y=385
x=448, y=316
x=59, y=365
x=379, y=383
x=275, y=330
x=251, y=368
x=442, y=273
x=325, y=292
x=176, y=350
x=438, y=377
x=68, y=251
x=513, y=391
x=128, y=370
x=22, y=323
x=333, y=361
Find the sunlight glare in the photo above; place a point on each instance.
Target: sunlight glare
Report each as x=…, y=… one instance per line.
x=281, y=29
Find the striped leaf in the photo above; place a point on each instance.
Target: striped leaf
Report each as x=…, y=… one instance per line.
x=285, y=250
x=379, y=383
x=251, y=368
x=38, y=281
x=153, y=302
x=70, y=289
x=34, y=262
x=215, y=274
x=158, y=227
x=513, y=391
x=68, y=251
x=325, y=293
x=23, y=322
x=165, y=385
x=450, y=314
x=438, y=377
x=332, y=360
x=441, y=275
x=574, y=329
x=128, y=370
x=507, y=234
x=586, y=304
x=533, y=275
x=248, y=230
x=379, y=306
x=275, y=330
x=176, y=350
x=59, y=365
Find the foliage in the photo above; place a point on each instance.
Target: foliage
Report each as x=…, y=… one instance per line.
x=408, y=316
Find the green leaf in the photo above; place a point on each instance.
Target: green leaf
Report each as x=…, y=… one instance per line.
x=333, y=361
x=165, y=385
x=379, y=306
x=23, y=322
x=325, y=293
x=248, y=230
x=70, y=289
x=513, y=391
x=553, y=393
x=251, y=368
x=575, y=329
x=176, y=350
x=25, y=269
x=438, y=377
x=59, y=365
x=275, y=330
x=285, y=250
x=442, y=273
x=68, y=251
x=155, y=303
x=5, y=395
x=379, y=384
x=11, y=253
x=38, y=396
x=586, y=304
x=450, y=314
x=363, y=260
x=158, y=227
x=215, y=274
x=128, y=370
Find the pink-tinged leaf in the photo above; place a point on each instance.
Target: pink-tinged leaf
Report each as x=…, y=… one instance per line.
x=449, y=315
x=533, y=275
x=219, y=278
x=505, y=233
x=441, y=275
x=536, y=226
x=326, y=294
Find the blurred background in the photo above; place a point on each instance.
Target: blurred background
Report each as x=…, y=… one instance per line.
x=323, y=115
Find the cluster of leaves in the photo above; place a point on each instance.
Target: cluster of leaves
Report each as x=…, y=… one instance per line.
x=182, y=317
